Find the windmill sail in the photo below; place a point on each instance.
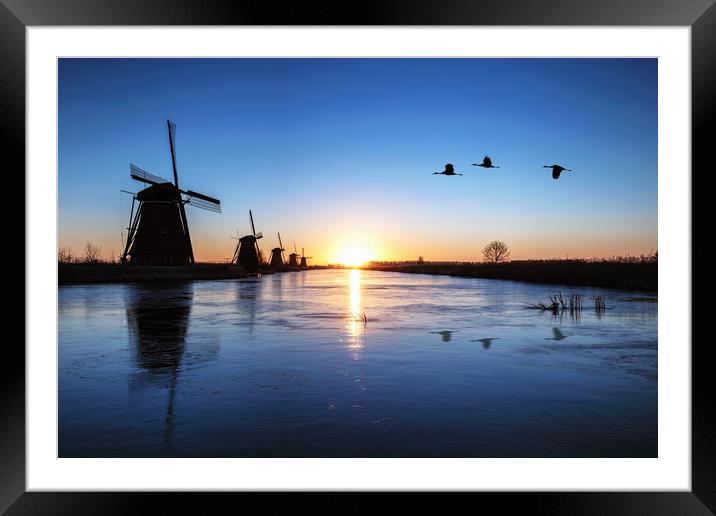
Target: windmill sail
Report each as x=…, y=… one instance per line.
x=203, y=201
x=172, y=131
x=145, y=177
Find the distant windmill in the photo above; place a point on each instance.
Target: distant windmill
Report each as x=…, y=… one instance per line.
x=277, y=254
x=158, y=233
x=293, y=257
x=304, y=263
x=247, y=253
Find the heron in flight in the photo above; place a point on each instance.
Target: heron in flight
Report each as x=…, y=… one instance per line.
x=486, y=343
x=486, y=163
x=449, y=171
x=556, y=170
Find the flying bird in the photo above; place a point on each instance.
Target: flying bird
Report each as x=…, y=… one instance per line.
x=556, y=170
x=486, y=343
x=486, y=163
x=449, y=171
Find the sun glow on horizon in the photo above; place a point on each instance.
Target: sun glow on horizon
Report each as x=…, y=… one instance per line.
x=354, y=256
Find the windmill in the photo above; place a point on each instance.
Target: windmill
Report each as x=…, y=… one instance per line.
x=158, y=233
x=292, y=258
x=247, y=253
x=277, y=254
x=304, y=263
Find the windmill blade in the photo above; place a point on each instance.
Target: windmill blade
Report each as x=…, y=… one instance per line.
x=280, y=244
x=198, y=202
x=203, y=197
x=171, y=126
x=253, y=229
x=145, y=177
x=294, y=249
x=259, y=235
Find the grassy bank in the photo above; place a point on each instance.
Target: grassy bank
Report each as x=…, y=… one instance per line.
x=625, y=274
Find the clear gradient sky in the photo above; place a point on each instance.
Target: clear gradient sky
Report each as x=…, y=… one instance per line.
x=338, y=154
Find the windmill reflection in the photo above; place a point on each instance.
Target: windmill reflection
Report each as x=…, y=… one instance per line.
x=248, y=293
x=157, y=319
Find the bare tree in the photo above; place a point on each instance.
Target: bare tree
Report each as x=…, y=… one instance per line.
x=64, y=255
x=496, y=251
x=93, y=253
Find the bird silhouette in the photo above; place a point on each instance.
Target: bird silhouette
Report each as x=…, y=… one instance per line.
x=558, y=335
x=556, y=170
x=446, y=335
x=449, y=171
x=486, y=343
x=486, y=163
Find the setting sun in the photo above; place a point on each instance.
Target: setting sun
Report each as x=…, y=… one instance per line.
x=354, y=256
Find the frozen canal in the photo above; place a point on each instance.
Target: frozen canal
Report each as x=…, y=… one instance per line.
x=282, y=366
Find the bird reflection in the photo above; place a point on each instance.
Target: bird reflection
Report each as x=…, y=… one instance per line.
x=446, y=335
x=486, y=343
x=558, y=335
x=157, y=319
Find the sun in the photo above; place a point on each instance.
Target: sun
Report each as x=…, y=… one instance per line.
x=354, y=256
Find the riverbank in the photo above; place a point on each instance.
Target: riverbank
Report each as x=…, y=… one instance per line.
x=71, y=274
x=618, y=274
x=82, y=273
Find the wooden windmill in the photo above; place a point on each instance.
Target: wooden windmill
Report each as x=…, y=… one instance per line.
x=247, y=253
x=277, y=260
x=293, y=257
x=158, y=233
x=304, y=263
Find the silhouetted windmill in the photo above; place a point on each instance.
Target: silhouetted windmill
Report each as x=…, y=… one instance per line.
x=277, y=254
x=158, y=231
x=293, y=257
x=556, y=170
x=247, y=253
x=486, y=163
x=449, y=171
x=304, y=263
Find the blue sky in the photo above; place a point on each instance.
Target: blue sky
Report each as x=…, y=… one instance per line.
x=338, y=153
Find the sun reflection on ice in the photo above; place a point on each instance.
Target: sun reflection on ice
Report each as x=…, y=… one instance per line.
x=356, y=326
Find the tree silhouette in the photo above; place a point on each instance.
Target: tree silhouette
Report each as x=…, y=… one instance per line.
x=496, y=251
x=93, y=253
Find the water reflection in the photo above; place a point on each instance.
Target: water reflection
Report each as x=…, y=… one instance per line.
x=247, y=295
x=157, y=320
x=356, y=325
x=486, y=343
x=557, y=334
x=446, y=335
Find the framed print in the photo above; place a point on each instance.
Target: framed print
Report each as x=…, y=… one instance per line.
x=413, y=249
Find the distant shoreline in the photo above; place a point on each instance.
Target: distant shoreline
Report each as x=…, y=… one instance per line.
x=621, y=275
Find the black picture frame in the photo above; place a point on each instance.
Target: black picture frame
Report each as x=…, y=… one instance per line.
x=17, y=15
